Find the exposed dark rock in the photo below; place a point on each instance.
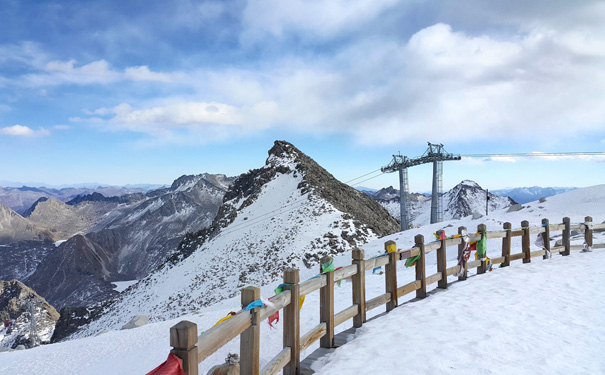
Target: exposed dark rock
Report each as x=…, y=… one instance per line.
x=17, y=303
x=71, y=319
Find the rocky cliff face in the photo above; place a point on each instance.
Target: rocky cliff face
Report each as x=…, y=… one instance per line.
x=20, y=304
x=288, y=213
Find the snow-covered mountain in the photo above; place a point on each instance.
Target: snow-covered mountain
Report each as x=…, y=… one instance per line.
x=288, y=213
x=529, y=194
x=465, y=199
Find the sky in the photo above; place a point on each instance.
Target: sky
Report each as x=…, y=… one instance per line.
x=117, y=92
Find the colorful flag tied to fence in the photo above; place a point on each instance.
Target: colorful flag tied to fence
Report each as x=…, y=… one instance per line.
x=411, y=261
x=482, y=247
x=172, y=366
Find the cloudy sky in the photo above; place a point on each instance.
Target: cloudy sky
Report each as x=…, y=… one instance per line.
x=125, y=92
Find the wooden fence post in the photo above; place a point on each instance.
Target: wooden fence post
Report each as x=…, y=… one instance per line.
x=326, y=306
x=359, y=287
x=460, y=255
x=525, y=242
x=546, y=237
x=566, y=236
x=506, y=242
x=588, y=231
x=483, y=266
x=390, y=274
x=420, y=268
x=292, y=321
x=442, y=263
x=183, y=339
x=249, y=342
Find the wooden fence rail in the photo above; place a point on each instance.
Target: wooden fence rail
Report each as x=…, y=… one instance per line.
x=246, y=324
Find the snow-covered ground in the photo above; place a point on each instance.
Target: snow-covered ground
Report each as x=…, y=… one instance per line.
x=543, y=317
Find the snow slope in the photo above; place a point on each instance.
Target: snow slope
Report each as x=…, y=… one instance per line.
x=543, y=317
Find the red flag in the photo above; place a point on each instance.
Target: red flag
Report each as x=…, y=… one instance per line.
x=172, y=366
x=274, y=318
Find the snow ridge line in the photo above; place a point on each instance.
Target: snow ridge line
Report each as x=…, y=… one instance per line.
x=183, y=336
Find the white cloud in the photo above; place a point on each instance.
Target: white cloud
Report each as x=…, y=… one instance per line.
x=21, y=130
x=308, y=18
x=97, y=72
x=142, y=73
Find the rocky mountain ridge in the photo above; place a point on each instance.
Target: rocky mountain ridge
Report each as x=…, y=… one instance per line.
x=288, y=213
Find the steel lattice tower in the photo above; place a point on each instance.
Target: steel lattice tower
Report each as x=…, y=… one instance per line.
x=435, y=154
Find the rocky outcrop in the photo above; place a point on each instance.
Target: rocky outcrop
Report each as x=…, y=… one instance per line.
x=71, y=319
x=20, y=305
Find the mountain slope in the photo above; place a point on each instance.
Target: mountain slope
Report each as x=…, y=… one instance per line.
x=288, y=213
x=14, y=227
x=64, y=220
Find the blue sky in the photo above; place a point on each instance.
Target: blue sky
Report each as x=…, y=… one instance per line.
x=125, y=92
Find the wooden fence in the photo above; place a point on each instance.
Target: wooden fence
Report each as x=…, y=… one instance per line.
x=193, y=349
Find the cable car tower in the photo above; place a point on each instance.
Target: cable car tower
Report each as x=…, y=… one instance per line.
x=435, y=154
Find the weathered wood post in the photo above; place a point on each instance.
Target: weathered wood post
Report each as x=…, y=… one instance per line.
x=183, y=339
x=249, y=342
x=525, y=242
x=567, y=236
x=506, y=243
x=326, y=306
x=546, y=237
x=359, y=287
x=483, y=266
x=460, y=255
x=390, y=274
x=420, y=268
x=588, y=231
x=292, y=321
x=442, y=263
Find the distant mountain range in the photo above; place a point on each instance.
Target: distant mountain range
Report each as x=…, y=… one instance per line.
x=21, y=198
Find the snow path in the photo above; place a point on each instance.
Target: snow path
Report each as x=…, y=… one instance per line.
x=540, y=318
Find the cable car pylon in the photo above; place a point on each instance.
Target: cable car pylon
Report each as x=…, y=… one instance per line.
x=435, y=154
